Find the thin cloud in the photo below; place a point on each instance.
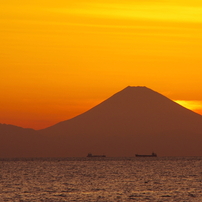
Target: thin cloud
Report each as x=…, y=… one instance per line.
x=147, y=11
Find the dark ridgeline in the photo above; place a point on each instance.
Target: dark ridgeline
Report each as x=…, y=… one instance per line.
x=133, y=120
x=20, y=142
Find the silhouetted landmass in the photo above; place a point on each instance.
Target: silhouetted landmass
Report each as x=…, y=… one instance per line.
x=134, y=120
x=19, y=142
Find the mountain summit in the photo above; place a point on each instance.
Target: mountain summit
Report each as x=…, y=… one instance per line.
x=134, y=120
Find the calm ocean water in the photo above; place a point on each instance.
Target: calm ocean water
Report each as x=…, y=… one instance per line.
x=104, y=179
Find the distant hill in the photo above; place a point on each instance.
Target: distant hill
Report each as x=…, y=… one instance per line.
x=20, y=142
x=134, y=120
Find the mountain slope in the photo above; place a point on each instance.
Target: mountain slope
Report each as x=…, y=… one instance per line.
x=133, y=120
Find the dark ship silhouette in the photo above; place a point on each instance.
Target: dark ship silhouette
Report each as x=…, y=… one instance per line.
x=152, y=155
x=91, y=155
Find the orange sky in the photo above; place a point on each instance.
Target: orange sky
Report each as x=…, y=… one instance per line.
x=60, y=58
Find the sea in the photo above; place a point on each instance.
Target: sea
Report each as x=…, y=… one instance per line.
x=101, y=179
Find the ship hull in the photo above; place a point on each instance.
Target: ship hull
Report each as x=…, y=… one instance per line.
x=90, y=155
x=152, y=155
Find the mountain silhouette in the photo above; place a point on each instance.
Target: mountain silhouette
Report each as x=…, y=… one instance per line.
x=19, y=142
x=134, y=120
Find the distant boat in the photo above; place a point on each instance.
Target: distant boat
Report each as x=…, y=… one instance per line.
x=90, y=155
x=152, y=155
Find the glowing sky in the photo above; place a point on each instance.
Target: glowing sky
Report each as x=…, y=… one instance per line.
x=60, y=58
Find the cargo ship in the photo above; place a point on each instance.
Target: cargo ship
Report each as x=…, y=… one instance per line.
x=91, y=155
x=151, y=155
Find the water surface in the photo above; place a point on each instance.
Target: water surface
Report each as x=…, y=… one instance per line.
x=101, y=179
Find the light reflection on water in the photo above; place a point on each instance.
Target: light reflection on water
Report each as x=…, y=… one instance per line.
x=101, y=179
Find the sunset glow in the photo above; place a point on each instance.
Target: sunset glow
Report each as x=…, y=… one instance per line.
x=193, y=105
x=59, y=59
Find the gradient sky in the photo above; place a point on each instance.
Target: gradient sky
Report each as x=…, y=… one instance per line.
x=60, y=58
